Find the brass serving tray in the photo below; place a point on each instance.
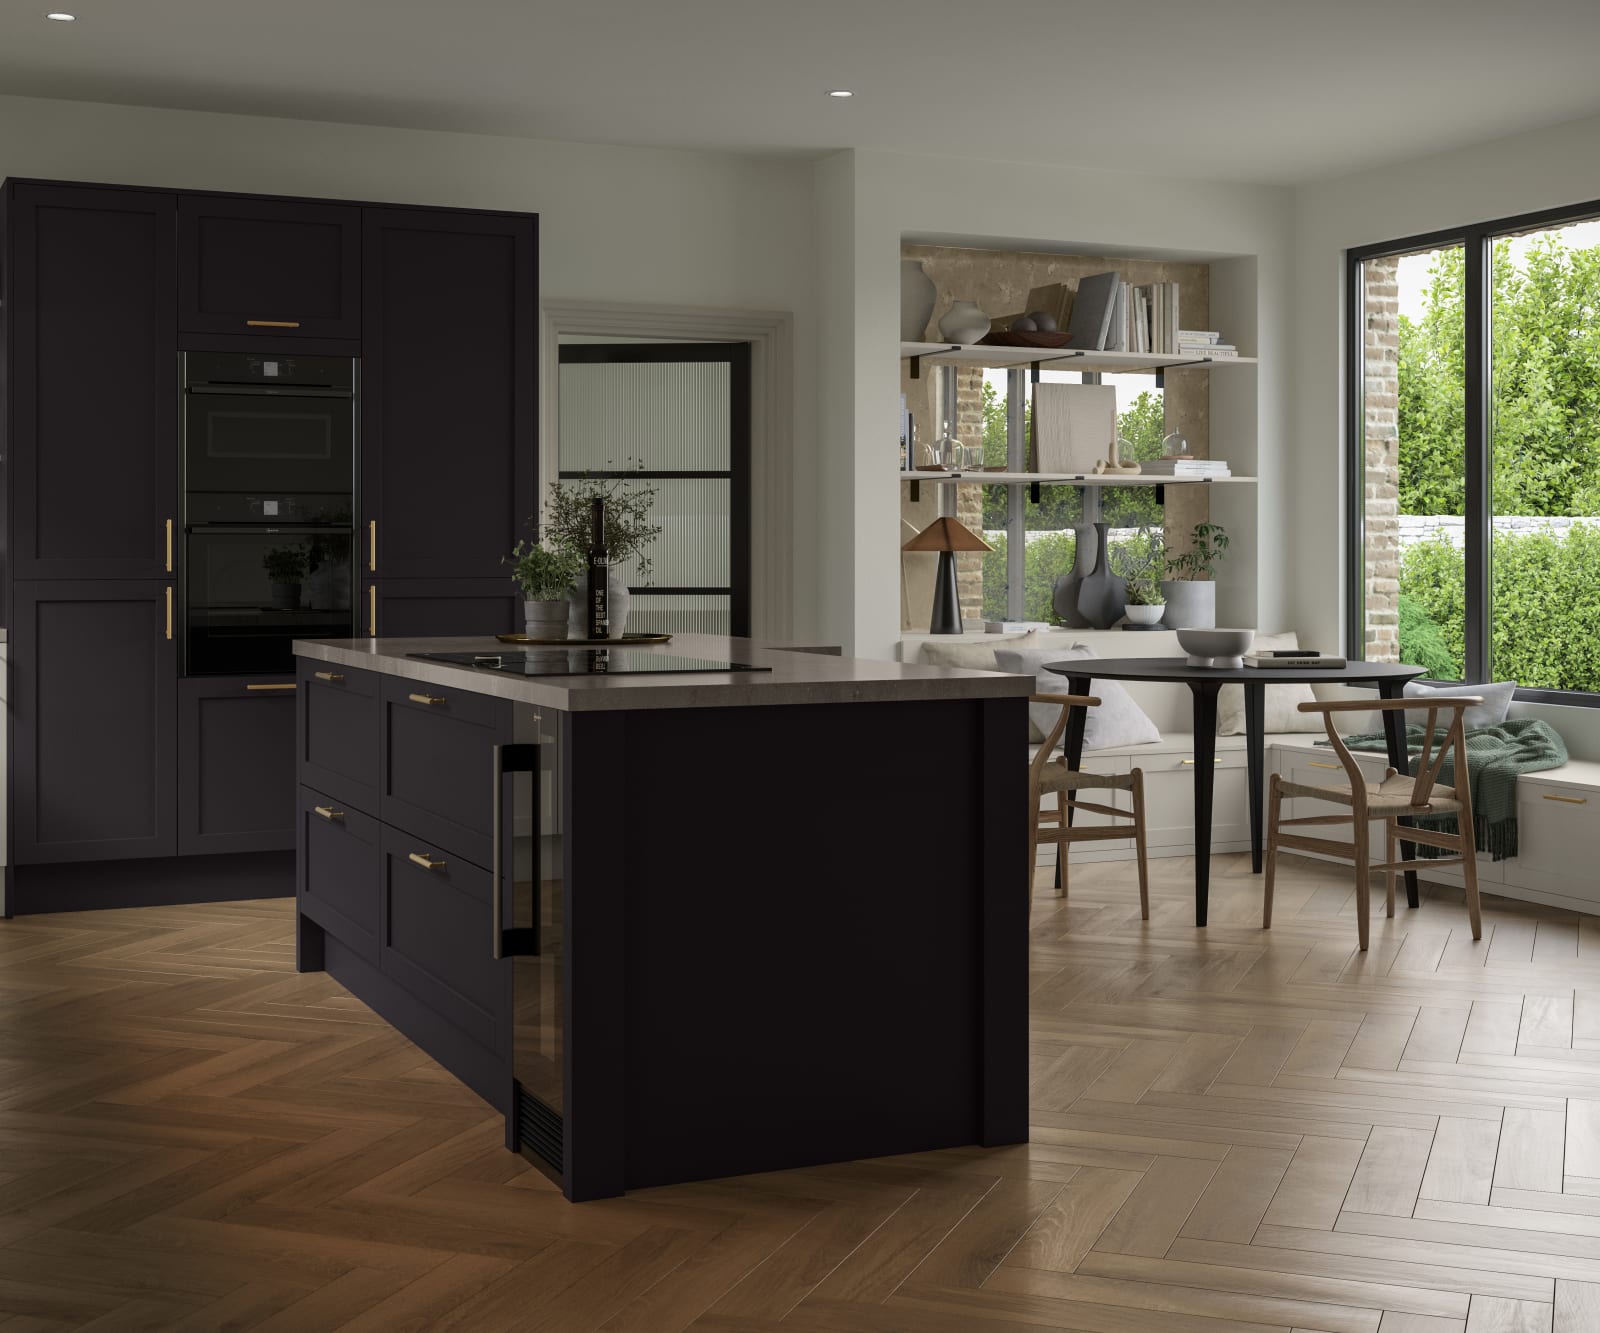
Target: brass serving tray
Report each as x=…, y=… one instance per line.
x=632, y=639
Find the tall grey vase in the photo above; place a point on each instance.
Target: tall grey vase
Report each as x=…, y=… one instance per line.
x=1103, y=595
x=1064, y=595
x=917, y=297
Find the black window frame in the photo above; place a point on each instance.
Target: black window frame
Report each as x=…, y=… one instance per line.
x=1476, y=241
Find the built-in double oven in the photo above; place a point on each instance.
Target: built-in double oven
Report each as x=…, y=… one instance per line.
x=269, y=482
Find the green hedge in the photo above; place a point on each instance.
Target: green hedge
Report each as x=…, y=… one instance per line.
x=1545, y=593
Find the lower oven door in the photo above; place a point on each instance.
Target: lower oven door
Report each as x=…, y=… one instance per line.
x=249, y=593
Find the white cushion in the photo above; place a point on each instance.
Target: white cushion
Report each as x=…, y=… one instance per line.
x=1490, y=713
x=1117, y=721
x=1280, y=703
x=966, y=654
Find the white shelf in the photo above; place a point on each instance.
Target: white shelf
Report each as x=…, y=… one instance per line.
x=1067, y=479
x=1061, y=358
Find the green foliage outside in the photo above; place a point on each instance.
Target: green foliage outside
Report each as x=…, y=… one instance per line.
x=1049, y=557
x=1422, y=642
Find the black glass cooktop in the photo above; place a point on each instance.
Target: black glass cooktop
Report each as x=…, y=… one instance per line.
x=585, y=662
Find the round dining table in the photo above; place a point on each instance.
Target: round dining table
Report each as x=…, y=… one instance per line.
x=1205, y=683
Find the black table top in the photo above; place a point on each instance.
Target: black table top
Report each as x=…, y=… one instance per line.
x=1177, y=670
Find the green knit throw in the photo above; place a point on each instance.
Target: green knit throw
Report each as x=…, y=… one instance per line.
x=1495, y=756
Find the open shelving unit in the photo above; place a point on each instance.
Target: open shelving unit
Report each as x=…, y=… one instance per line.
x=1059, y=358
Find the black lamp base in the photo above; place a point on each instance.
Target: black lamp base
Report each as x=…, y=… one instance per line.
x=946, y=597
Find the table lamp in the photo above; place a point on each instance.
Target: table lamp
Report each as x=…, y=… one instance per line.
x=946, y=536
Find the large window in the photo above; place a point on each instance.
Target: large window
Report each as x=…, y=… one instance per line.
x=1476, y=416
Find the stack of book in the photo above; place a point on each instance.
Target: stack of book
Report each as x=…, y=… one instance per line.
x=1185, y=467
x=1203, y=342
x=1292, y=659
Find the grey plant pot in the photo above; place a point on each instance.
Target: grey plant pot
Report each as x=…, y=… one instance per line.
x=545, y=620
x=1191, y=603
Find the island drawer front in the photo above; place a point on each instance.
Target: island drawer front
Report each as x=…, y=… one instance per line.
x=437, y=774
x=435, y=939
x=337, y=732
x=336, y=879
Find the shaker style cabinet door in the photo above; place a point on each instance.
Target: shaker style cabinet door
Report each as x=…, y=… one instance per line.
x=449, y=434
x=270, y=268
x=93, y=685
x=236, y=778
x=94, y=395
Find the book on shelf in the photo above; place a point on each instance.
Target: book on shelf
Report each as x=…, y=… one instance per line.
x=1092, y=310
x=1211, y=351
x=1186, y=467
x=1199, y=336
x=1292, y=658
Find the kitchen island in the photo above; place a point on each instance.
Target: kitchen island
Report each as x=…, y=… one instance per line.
x=682, y=925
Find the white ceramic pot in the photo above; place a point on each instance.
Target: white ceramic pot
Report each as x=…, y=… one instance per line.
x=1191, y=603
x=918, y=296
x=1144, y=615
x=617, y=601
x=964, y=322
x=545, y=620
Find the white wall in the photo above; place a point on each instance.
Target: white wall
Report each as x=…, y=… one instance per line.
x=616, y=224
x=1546, y=169
x=868, y=201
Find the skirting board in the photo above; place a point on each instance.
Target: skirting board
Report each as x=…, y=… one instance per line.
x=162, y=881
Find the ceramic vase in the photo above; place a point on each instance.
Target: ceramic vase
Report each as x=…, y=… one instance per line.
x=963, y=323
x=1064, y=595
x=546, y=620
x=1102, y=596
x=1144, y=615
x=1191, y=603
x=917, y=298
x=618, y=599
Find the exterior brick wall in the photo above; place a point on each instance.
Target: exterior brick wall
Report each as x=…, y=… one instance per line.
x=969, y=499
x=1381, y=438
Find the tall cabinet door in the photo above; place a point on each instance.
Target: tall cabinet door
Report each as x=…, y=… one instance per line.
x=449, y=393
x=93, y=681
x=94, y=392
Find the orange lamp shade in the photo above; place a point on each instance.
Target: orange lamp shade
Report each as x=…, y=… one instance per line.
x=945, y=534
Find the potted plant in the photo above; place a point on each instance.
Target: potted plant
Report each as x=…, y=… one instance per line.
x=1141, y=559
x=286, y=569
x=629, y=532
x=545, y=577
x=1191, y=592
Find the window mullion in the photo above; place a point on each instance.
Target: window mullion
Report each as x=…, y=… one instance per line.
x=1477, y=455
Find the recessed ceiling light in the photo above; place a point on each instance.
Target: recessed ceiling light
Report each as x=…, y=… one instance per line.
x=63, y=18
x=840, y=92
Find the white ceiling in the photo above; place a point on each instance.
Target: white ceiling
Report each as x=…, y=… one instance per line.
x=1255, y=90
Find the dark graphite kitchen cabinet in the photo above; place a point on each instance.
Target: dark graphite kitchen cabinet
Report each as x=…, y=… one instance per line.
x=93, y=699
x=279, y=268
x=236, y=764
x=92, y=457
x=449, y=403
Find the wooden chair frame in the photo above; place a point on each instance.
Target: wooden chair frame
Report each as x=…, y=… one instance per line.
x=1053, y=827
x=1393, y=804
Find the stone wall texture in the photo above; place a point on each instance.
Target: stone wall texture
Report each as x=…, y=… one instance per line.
x=1381, y=455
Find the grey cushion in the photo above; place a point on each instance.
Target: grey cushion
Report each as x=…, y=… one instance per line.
x=1118, y=720
x=1490, y=713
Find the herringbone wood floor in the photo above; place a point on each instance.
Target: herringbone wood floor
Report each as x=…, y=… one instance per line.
x=1231, y=1131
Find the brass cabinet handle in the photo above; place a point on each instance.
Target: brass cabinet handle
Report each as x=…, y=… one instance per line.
x=272, y=323
x=169, y=610
x=290, y=686
x=372, y=545
x=169, y=546
x=1314, y=763
x=1217, y=760
x=328, y=812
x=332, y=676
x=426, y=698
x=1566, y=800
x=372, y=610
x=426, y=862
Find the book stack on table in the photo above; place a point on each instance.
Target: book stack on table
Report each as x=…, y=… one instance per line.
x=1282, y=658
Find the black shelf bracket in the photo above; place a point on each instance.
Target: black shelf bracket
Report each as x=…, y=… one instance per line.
x=1034, y=493
x=916, y=490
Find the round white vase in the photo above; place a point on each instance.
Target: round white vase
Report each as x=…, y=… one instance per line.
x=964, y=322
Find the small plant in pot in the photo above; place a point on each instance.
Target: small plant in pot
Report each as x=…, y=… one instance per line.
x=286, y=568
x=1191, y=592
x=629, y=533
x=1141, y=559
x=545, y=577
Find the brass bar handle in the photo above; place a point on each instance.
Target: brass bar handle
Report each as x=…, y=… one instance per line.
x=1566, y=800
x=333, y=677
x=1217, y=760
x=1314, y=763
x=169, y=546
x=290, y=686
x=426, y=698
x=372, y=545
x=272, y=323
x=169, y=610
x=372, y=610
x=426, y=862
x=328, y=812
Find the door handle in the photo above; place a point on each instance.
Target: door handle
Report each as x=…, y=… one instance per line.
x=290, y=686
x=1315, y=764
x=426, y=862
x=372, y=546
x=1567, y=800
x=169, y=611
x=1217, y=760
x=516, y=941
x=333, y=677
x=426, y=698
x=169, y=545
x=272, y=323
x=372, y=610
x=328, y=812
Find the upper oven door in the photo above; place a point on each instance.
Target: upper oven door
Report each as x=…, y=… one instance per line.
x=267, y=452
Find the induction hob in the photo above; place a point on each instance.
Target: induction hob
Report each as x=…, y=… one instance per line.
x=584, y=662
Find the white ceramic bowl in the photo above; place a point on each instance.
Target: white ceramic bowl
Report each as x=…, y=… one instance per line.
x=1216, y=647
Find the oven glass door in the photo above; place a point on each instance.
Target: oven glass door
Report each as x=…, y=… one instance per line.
x=261, y=455
x=250, y=593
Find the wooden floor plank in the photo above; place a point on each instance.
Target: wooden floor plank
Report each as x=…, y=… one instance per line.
x=1313, y=1188
x=1390, y=1171
x=1157, y=1207
x=1532, y=1150
x=1496, y=1314
x=1583, y=1138
x=1073, y=1221
x=1461, y=1162
x=1238, y=1194
x=1577, y=1307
